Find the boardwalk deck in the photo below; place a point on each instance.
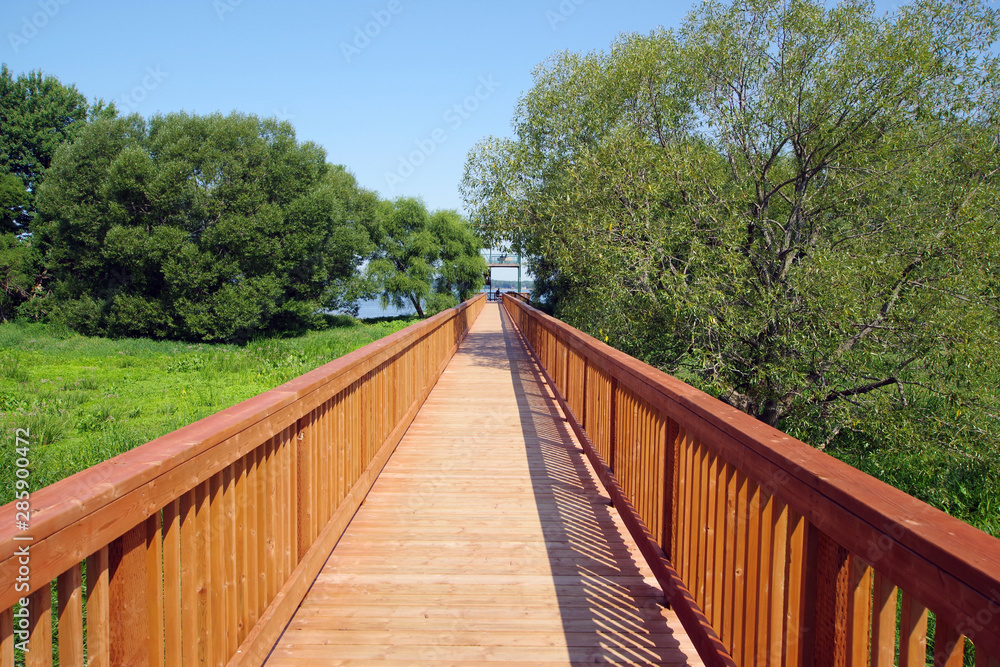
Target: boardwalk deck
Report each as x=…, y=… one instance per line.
x=487, y=538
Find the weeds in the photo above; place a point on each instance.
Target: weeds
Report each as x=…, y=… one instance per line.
x=85, y=400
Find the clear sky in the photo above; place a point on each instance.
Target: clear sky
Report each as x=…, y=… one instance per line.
x=396, y=90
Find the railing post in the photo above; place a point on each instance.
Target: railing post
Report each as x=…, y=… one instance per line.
x=128, y=582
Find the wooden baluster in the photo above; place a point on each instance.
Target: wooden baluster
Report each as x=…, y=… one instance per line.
x=800, y=562
x=154, y=591
x=912, y=632
x=752, y=577
x=721, y=575
x=254, y=538
x=779, y=568
x=98, y=610
x=70, y=595
x=859, y=613
x=39, y=653
x=127, y=567
x=190, y=575
x=229, y=560
x=240, y=533
x=7, y=638
x=204, y=621
x=762, y=651
x=740, y=570
x=949, y=645
x=883, y=641
x=172, y=584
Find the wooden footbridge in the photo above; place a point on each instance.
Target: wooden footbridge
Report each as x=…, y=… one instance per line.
x=488, y=486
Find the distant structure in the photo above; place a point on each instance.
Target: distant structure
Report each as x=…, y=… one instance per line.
x=504, y=260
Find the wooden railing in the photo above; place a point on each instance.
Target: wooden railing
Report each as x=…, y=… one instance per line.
x=197, y=547
x=771, y=552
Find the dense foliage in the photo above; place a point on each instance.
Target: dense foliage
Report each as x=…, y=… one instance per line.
x=791, y=206
x=197, y=227
x=37, y=114
x=428, y=261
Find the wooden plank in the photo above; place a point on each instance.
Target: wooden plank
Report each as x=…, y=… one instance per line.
x=282, y=604
x=916, y=541
x=189, y=564
x=859, y=613
x=70, y=595
x=407, y=581
x=779, y=570
x=218, y=639
x=229, y=587
x=78, y=515
x=126, y=596
x=154, y=590
x=39, y=650
x=173, y=609
x=883, y=641
x=7, y=638
x=203, y=621
x=912, y=632
x=98, y=610
x=949, y=646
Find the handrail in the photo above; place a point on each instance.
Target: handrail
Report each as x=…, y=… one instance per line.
x=792, y=557
x=199, y=545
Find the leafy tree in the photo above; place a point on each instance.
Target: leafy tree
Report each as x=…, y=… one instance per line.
x=198, y=227
x=37, y=114
x=791, y=206
x=428, y=261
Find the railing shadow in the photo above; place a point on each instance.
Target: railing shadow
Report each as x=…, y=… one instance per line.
x=609, y=614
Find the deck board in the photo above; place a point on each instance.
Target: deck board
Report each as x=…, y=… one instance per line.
x=486, y=539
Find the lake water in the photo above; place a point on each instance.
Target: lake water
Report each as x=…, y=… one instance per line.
x=373, y=308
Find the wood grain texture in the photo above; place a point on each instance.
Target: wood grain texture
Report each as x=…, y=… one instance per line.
x=487, y=537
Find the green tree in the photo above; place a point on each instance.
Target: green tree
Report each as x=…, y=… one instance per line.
x=427, y=261
x=37, y=114
x=197, y=227
x=791, y=206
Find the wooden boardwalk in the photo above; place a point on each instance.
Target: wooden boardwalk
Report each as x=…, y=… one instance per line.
x=486, y=539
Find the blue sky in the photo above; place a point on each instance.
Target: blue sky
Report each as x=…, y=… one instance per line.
x=396, y=90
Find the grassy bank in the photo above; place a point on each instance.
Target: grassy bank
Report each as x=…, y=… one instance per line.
x=86, y=399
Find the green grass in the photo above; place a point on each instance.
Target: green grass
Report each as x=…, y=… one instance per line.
x=85, y=400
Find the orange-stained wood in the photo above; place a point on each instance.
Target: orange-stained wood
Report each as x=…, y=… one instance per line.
x=127, y=598
x=70, y=595
x=487, y=537
x=949, y=646
x=39, y=653
x=912, y=632
x=98, y=610
x=7, y=638
x=172, y=577
x=883, y=634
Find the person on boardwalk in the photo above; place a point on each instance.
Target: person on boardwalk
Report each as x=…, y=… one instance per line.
x=498, y=294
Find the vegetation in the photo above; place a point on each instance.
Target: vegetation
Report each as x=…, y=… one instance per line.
x=790, y=206
x=86, y=399
x=196, y=227
x=201, y=228
x=430, y=262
